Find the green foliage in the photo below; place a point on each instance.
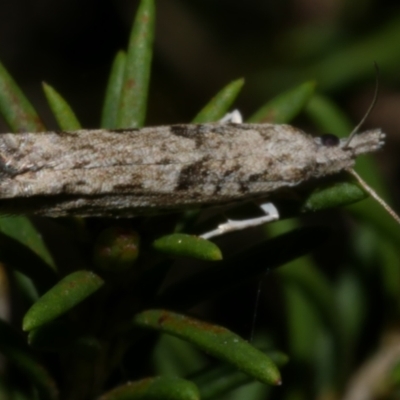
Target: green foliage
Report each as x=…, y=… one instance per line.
x=102, y=317
x=215, y=340
x=62, y=297
x=219, y=105
x=63, y=113
x=179, y=244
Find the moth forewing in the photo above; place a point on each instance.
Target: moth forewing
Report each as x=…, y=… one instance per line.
x=140, y=171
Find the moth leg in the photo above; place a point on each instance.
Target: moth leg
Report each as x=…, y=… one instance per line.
x=234, y=117
x=235, y=225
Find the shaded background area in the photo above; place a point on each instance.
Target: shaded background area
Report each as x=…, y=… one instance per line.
x=200, y=46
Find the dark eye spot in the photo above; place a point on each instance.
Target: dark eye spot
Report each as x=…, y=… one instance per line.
x=329, y=140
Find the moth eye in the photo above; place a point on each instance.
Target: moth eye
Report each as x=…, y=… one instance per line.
x=329, y=140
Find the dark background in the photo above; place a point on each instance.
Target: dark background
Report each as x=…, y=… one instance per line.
x=201, y=46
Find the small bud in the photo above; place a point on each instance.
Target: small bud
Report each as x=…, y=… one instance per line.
x=116, y=249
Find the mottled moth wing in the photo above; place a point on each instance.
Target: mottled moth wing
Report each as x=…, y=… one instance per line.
x=131, y=172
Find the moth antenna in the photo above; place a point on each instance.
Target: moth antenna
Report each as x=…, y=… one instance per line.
x=370, y=108
x=375, y=196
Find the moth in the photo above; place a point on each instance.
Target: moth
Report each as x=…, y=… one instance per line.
x=131, y=172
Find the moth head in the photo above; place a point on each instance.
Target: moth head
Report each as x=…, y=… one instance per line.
x=365, y=142
x=334, y=154
x=339, y=154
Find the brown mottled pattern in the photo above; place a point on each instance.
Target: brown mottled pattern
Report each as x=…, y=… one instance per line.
x=131, y=172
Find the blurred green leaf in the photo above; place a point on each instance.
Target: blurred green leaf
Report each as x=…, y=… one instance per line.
x=388, y=254
x=344, y=63
x=219, y=105
x=352, y=304
x=15, y=107
x=20, y=257
x=170, y=388
x=62, y=111
x=133, y=100
x=314, y=323
x=394, y=378
x=175, y=357
x=215, y=340
x=327, y=116
x=182, y=245
x=22, y=230
x=15, y=350
x=284, y=107
x=354, y=61
x=333, y=191
x=215, y=381
x=334, y=195
x=27, y=290
x=113, y=92
x=316, y=287
x=66, y=294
